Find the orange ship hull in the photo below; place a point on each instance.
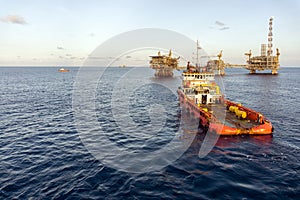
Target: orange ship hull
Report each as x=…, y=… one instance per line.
x=254, y=124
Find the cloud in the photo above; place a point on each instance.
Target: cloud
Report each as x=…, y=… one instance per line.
x=96, y=57
x=60, y=48
x=219, y=23
x=127, y=57
x=68, y=54
x=224, y=28
x=92, y=34
x=103, y=58
x=14, y=19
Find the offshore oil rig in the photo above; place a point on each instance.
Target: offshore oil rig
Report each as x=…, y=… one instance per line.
x=164, y=65
x=266, y=61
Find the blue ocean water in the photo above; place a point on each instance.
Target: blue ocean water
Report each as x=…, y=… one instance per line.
x=42, y=155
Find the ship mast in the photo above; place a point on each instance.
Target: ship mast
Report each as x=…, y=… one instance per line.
x=197, y=52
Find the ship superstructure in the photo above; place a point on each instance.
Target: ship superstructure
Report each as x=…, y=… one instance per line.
x=200, y=86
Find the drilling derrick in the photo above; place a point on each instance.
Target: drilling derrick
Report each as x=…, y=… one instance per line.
x=266, y=61
x=164, y=64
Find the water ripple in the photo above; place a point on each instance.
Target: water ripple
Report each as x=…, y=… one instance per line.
x=42, y=155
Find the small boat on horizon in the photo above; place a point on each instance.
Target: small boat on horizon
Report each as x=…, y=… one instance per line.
x=63, y=70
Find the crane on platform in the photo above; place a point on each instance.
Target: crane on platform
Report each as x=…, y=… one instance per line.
x=218, y=65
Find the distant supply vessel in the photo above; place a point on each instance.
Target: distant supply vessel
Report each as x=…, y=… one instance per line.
x=164, y=64
x=63, y=70
x=200, y=96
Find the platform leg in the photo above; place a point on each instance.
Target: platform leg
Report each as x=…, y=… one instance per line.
x=274, y=72
x=252, y=71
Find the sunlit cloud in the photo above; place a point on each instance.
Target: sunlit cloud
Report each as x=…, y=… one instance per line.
x=14, y=19
x=60, y=48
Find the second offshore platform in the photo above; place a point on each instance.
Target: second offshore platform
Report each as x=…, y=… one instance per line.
x=165, y=64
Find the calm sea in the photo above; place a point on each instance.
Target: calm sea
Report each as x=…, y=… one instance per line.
x=42, y=155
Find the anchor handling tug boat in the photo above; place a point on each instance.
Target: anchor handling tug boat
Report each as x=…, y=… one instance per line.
x=200, y=96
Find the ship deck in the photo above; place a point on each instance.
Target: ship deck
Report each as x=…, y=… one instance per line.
x=229, y=118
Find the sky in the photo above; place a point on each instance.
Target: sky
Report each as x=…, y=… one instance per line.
x=66, y=32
